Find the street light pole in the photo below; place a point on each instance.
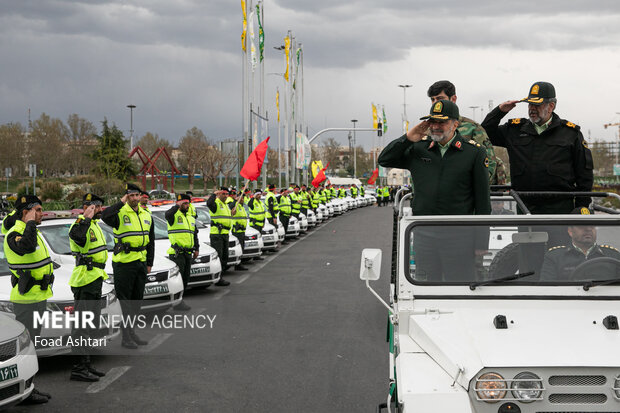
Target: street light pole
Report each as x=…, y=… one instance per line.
x=131, y=108
x=354, y=150
x=405, y=121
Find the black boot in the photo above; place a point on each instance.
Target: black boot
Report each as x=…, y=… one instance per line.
x=80, y=372
x=137, y=339
x=222, y=282
x=92, y=368
x=241, y=268
x=128, y=341
x=182, y=307
x=36, y=398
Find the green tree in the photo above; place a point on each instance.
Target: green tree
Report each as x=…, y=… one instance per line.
x=111, y=154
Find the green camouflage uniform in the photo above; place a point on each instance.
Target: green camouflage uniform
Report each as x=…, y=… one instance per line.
x=472, y=130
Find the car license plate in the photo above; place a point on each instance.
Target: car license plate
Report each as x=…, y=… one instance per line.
x=156, y=289
x=251, y=244
x=8, y=373
x=199, y=270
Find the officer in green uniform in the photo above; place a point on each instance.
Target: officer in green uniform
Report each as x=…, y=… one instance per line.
x=221, y=224
x=546, y=153
x=469, y=129
x=88, y=245
x=450, y=178
x=31, y=270
x=314, y=199
x=239, y=220
x=271, y=205
x=134, y=251
x=144, y=201
x=341, y=192
x=561, y=261
x=353, y=191
x=183, y=236
x=285, y=208
x=257, y=211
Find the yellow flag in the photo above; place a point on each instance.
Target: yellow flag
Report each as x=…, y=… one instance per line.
x=287, y=51
x=316, y=168
x=278, y=102
x=245, y=25
x=375, y=124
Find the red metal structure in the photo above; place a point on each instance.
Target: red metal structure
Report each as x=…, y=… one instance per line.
x=149, y=167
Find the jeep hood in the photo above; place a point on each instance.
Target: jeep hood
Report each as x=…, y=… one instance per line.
x=539, y=334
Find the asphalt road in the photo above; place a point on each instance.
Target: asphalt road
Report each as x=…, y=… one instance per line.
x=298, y=332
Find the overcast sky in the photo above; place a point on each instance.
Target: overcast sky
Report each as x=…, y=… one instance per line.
x=179, y=61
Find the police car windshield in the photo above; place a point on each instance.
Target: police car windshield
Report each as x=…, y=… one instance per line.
x=203, y=215
x=161, y=228
x=57, y=237
x=558, y=253
x=162, y=215
x=4, y=265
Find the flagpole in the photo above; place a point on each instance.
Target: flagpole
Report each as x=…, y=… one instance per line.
x=279, y=148
x=262, y=83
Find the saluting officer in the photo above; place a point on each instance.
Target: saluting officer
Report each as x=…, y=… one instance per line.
x=192, y=208
x=239, y=220
x=285, y=208
x=88, y=245
x=271, y=205
x=305, y=200
x=257, y=211
x=221, y=224
x=9, y=221
x=561, y=261
x=546, y=153
x=144, y=201
x=134, y=251
x=295, y=200
x=183, y=236
x=31, y=270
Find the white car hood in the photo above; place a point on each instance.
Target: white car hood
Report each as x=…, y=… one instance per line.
x=540, y=333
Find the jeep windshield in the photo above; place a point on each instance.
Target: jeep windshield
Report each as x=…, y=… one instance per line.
x=526, y=250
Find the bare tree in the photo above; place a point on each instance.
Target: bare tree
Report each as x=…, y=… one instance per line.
x=48, y=145
x=210, y=166
x=193, y=148
x=13, y=147
x=81, y=142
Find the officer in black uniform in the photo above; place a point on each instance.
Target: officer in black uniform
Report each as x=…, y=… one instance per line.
x=561, y=261
x=450, y=177
x=546, y=153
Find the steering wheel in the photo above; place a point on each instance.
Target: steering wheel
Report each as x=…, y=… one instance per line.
x=585, y=267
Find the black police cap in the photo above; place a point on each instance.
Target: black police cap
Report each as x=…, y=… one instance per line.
x=540, y=92
x=91, y=199
x=183, y=197
x=27, y=202
x=132, y=189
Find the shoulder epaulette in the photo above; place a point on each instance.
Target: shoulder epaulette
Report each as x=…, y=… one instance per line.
x=473, y=142
x=556, y=248
x=516, y=121
x=570, y=124
x=77, y=221
x=425, y=138
x=609, y=247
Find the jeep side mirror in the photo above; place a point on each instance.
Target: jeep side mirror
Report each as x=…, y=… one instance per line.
x=370, y=267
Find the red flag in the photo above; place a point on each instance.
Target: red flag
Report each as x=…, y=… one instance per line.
x=252, y=167
x=320, y=177
x=373, y=177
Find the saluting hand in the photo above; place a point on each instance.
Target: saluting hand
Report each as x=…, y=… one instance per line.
x=124, y=199
x=31, y=215
x=508, y=105
x=416, y=133
x=195, y=254
x=89, y=212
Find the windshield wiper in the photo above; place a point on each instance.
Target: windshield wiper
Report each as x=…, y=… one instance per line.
x=595, y=283
x=517, y=276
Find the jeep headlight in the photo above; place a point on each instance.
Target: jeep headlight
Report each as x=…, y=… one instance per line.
x=173, y=272
x=23, y=341
x=526, y=387
x=491, y=387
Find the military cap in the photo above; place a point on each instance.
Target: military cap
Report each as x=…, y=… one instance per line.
x=27, y=202
x=132, y=189
x=91, y=199
x=246, y=190
x=183, y=197
x=223, y=188
x=190, y=193
x=271, y=187
x=258, y=192
x=540, y=93
x=443, y=110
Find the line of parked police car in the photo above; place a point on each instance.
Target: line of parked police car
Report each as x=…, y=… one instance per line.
x=163, y=289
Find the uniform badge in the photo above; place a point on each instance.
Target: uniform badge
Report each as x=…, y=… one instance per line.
x=584, y=211
x=486, y=161
x=93, y=237
x=23, y=199
x=438, y=107
x=570, y=125
x=180, y=220
x=585, y=144
x=18, y=238
x=535, y=90
x=77, y=221
x=458, y=144
x=89, y=197
x=179, y=197
x=126, y=220
x=515, y=121
x=431, y=145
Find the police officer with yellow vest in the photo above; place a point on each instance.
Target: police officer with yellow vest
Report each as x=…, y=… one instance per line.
x=221, y=224
x=31, y=270
x=134, y=251
x=257, y=211
x=239, y=220
x=305, y=200
x=192, y=207
x=286, y=209
x=295, y=200
x=271, y=205
x=88, y=245
x=353, y=191
x=183, y=236
x=144, y=200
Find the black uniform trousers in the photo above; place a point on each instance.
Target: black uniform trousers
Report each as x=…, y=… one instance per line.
x=129, y=281
x=24, y=313
x=241, y=237
x=284, y=220
x=219, y=242
x=87, y=299
x=184, y=262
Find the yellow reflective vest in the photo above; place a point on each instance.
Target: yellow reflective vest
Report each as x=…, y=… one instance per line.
x=181, y=233
x=133, y=229
x=95, y=248
x=221, y=219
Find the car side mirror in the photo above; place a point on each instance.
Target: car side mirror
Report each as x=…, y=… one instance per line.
x=370, y=267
